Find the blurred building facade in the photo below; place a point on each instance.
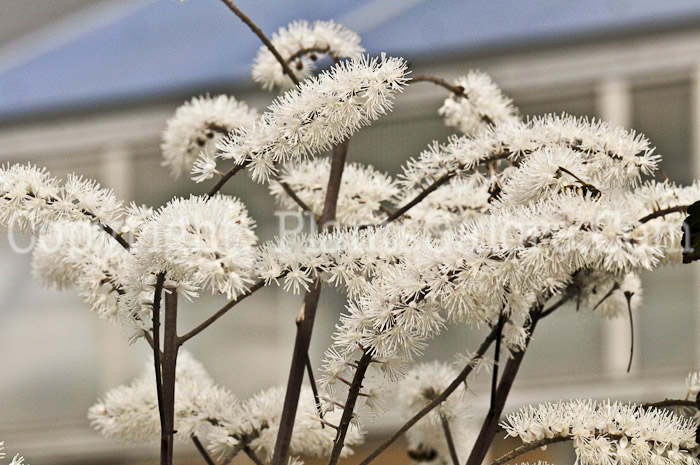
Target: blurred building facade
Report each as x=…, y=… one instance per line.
x=89, y=91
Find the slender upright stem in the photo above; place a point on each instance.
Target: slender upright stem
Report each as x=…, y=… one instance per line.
x=170, y=348
x=496, y=358
x=448, y=438
x=307, y=315
x=438, y=400
x=202, y=451
x=224, y=179
x=348, y=411
x=490, y=425
x=156, y=346
x=263, y=38
x=664, y=212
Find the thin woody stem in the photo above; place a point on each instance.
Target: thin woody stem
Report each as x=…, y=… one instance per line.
x=496, y=358
x=156, y=346
x=202, y=451
x=308, y=314
x=346, y=418
x=224, y=179
x=664, y=212
x=438, y=400
x=457, y=90
x=169, y=363
x=490, y=425
x=305, y=51
x=518, y=451
x=670, y=403
x=222, y=311
x=450, y=441
x=290, y=192
x=252, y=455
x=263, y=38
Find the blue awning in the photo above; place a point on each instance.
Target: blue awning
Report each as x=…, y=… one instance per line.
x=136, y=48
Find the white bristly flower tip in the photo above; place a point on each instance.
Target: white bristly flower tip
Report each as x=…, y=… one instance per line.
x=362, y=190
x=258, y=418
x=206, y=242
x=198, y=125
x=319, y=114
x=205, y=167
x=80, y=254
x=481, y=104
x=317, y=39
x=18, y=460
x=609, y=433
x=421, y=386
x=31, y=199
x=130, y=413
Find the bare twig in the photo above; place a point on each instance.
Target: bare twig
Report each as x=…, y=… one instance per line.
x=307, y=51
x=438, y=400
x=263, y=38
x=496, y=358
x=459, y=91
x=628, y=296
x=156, y=345
x=222, y=311
x=224, y=179
x=169, y=362
x=518, y=451
x=670, y=403
x=664, y=212
x=251, y=454
x=308, y=314
x=450, y=441
x=490, y=425
x=202, y=451
x=348, y=411
x=290, y=192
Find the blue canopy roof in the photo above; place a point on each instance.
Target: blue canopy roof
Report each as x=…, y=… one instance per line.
x=135, y=48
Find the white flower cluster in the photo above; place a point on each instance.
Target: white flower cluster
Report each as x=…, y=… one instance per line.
x=79, y=254
x=300, y=44
x=130, y=413
x=347, y=258
x=421, y=386
x=609, y=433
x=198, y=125
x=481, y=103
x=207, y=242
x=317, y=115
x=257, y=424
x=30, y=199
x=362, y=190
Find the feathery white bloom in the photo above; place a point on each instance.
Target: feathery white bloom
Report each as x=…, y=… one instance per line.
x=80, y=254
x=30, y=199
x=608, y=433
x=130, y=413
x=362, y=190
x=421, y=386
x=319, y=38
x=320, y=113
x=693, y=383
x=482, y=103
x=207, y=242
x=205, y=167
x=135, y=217
x=198, y=125
x=259, y=417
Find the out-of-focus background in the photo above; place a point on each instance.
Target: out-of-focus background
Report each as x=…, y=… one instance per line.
x=86, y=86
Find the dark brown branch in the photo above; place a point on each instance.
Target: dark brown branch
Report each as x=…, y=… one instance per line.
x=263, y=38
x=490, y=425
x=160, y=280
x=169, y=362
x=307, y=51
x=202, y=451
x=348, y=411
x=438, y=400
x=448, y=438
x=224, y=179
x=307, y=315
x=222, y=311
x=664, y=212
x=518, y=451
x=666, y=403
x=496, y=358
x=243, y=442
x=290, y=192
x=459, y=91
x=435, y=185
x=117, y=237
x=252, y=456
x=628, y=296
